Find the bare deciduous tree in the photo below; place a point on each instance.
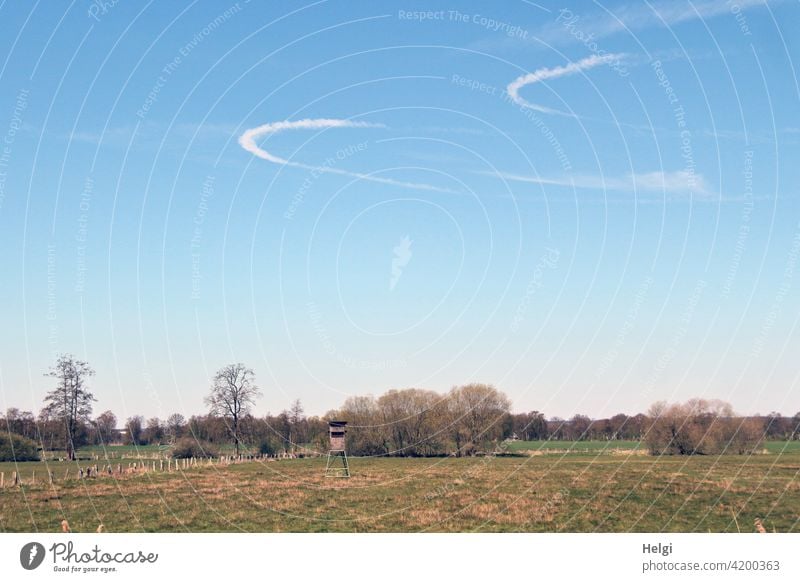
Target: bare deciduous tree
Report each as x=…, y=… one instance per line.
x=175, y=426
x=412, y=419
x=135, y=429
x=366, y=434
x=154, y=431
x=701, y=427
x=297, y=418
x=476, y=414
x=70, y=402
x=106, y=426
x=233, y=393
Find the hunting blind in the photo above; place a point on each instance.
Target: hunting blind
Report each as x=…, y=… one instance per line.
x=337, y=451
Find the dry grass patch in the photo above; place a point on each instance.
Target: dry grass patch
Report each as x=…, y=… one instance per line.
x=543, y=493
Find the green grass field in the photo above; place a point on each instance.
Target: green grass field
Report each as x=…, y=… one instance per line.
x=126, y=450
x=593, y=447
x=576, y=492
x=130, y=451
x=597, y=447
x=782, y=447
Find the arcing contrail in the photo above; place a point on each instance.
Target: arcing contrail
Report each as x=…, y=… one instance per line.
x=544, y=74
x=248, y=141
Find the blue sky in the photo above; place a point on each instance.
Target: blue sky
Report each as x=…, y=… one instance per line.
x=592, y=207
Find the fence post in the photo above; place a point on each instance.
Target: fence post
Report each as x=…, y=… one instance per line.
x=16, y=478
x=2, y=480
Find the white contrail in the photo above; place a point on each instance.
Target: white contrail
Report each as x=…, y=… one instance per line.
x=676, y=182
x=635, y=16
x=248, y=141
x=544, y=74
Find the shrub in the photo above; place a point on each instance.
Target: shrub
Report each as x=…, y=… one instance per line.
x=16, y=448
x=189, y=447
x=266, y=447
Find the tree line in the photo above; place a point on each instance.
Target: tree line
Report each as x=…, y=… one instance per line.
x=467, y=420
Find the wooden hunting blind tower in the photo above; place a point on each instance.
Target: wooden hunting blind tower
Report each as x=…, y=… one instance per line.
x=337, y=451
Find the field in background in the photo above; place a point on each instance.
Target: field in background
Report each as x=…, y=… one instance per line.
x=599, y=447
x=575, y=447
x=130, y=451
x=577, y=492
x=126, y=450
x=781, y=447
x=594, y=447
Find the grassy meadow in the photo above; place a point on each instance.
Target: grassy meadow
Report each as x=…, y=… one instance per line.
x=575, y=447
x=590, y=489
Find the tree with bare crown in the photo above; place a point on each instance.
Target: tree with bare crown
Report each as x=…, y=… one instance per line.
x=70, y=402
x=233, y=393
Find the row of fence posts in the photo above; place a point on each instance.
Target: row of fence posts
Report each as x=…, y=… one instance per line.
x=158, y=456
x=140, y=467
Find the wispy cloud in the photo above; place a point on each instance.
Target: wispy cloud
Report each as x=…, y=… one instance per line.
x=248, y=141
x=448, y=130
x=402, y=255
x=638, y=16
x=678, y=182
x=545, y=74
